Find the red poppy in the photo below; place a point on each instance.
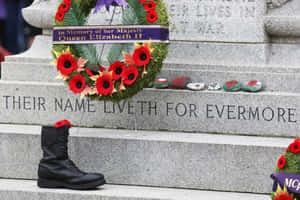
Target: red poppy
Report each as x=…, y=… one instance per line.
x=60, y=15
x=66, y=64
x=295, y=147
x=64, y=7
x=281, y=162
x=152, y=16
x=288, y=148
x=142, y=1
x=231, y=83
x=94, y=73
x=68, y=2
x=130, y=75
x=150, y=6
x=118, y=69
x=104, y=84
x=59, y=124
x=252, y=83
x=283, y=196
x=77, y=84
x=62, y=123
x=141, y=56
x=67, y=122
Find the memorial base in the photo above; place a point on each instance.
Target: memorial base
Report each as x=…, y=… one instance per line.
x=263, y=113
x=173, y=138
x=24, y=189
x=153, y=158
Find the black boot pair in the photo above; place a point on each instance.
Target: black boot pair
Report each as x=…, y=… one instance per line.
x=56, y=170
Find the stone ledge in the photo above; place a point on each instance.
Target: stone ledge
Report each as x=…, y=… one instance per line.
x=222, y=75
x=263, y=113
x=44, y=72
x=198, y=72
x=153, y=158
x=287, y=26
x=21, y=189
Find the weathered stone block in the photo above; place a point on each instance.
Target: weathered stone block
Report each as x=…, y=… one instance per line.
x=234, y=21
x=194, y=20
x=264, y=113
x=272, y=80
x=167, y=159
x=34, y=65
x=23, y=189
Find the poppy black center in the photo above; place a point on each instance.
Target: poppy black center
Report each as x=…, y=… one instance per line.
x=143, y=57
x=281, y=162
x=119, y=71
x=296, y=146
x=78, y=85
x=131, y=77
x=64, y=6
x=67, y=64
x=106, y=85
x=150, y=5
x=152, y=16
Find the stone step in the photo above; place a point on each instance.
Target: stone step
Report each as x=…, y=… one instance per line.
x=24, y=189
x=264, y=113
x=281, y=78
x=148, y=158
x=275, y=81
x=39, y=68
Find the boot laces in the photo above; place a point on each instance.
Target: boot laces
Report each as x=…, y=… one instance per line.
x=63, y=146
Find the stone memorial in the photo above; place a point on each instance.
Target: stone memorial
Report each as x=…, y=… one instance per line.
x=211, y=41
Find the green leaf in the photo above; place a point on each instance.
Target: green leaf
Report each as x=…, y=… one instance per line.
x=115, y=53
x=88, y=52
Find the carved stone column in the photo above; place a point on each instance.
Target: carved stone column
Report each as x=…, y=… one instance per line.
x=283, y=18
x=40, y=14
x=35, y=62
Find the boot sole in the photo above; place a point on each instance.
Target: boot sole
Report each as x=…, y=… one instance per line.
x=45, y=183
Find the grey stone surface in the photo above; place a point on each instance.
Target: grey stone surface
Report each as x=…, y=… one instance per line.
x=20, y=190
x=276, y=3
x=289, y=8
x=39, y=53
x=167, y=159
x=264, y=113
x=235, y=21
x=195, y=20
x=201, y=66
x=224, y=53
x=183, y=57
x=40, y=13
x=192, y=20
x=273, y=81
x=282, y=21
x=287, y=26
x=37, y=60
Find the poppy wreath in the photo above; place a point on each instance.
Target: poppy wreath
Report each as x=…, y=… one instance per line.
x=288, y=163
x=132, y=67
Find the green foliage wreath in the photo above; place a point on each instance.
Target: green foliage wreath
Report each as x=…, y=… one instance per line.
x=82, y=61
x=289, y=163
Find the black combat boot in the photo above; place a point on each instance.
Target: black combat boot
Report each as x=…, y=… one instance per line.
x=56, y=170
